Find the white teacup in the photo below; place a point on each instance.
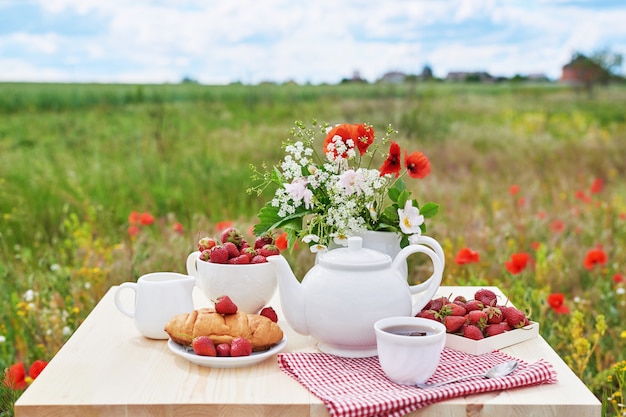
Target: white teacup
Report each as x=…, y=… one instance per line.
x=159, y=296
x=250, y=286
x=409, y=348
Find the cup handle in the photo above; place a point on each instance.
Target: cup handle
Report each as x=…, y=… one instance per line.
x=118, y=300
x=428, y=288
x=192, y=269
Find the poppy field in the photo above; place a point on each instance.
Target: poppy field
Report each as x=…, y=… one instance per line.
x=100, y=184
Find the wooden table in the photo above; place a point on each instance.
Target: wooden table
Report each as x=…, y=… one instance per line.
x=107, y=369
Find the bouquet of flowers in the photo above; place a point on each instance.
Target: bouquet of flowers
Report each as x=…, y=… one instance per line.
x=325, y=195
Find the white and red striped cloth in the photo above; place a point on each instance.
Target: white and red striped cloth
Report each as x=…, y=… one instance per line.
x=358, y=387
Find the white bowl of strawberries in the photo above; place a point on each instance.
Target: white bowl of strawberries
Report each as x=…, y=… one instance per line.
x=230, y=265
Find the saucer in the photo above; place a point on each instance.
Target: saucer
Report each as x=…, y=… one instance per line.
x=224, y=362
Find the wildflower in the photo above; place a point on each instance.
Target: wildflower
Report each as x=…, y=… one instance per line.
x=223, y=225
x=133, y=230
x=359, y=135
x=281, y=241
x=557, y=226
x=2, y=338
x=392, y=163
x=535, y=246
x=417, y=164
x=298, y=191
x=410, y=219
x=146, y=219
x=178, y=228
x=16, y=378
x=134, y=218
x=580, y=195
x=29, y=296
x=466, y=256
x=555, y=301
x=594, y=257
x=514, y=189
x=618, y=278
x=597, y=186
x=517, y=263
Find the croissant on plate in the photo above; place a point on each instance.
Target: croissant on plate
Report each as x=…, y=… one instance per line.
x=262, y=332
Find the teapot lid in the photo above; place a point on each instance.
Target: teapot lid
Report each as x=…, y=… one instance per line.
x=355, y=256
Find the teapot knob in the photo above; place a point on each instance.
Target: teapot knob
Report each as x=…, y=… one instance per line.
x=355, y=243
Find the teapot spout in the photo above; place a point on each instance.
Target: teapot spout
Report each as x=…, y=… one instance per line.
x=292, y=294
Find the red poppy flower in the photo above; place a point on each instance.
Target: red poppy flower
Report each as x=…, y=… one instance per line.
x=392, y=164
x=555, y=301
x=466, y=256
x=281, y=242
x=178, y=228
x=535, y=246
x=133, y=230
x=146, y=219
x=597, y=186
x=417, y=164
x=15, y=376
x=134, y=217
x=514, y=189
x=618, y=278
x=594, y=257
x=362, y=136
x=517, y=263
x=223, y=225
x=36, y=368
x=557, y=226
x=580, y=195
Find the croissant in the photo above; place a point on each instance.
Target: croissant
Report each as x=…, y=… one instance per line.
x=262, y=332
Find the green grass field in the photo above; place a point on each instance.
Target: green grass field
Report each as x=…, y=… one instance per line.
x=516, y=168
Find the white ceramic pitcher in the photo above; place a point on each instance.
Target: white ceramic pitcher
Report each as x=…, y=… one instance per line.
x=159, y=296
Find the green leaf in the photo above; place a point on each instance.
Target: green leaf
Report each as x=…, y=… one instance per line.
x=270, y=220
x=403, y=198
x=429, y=210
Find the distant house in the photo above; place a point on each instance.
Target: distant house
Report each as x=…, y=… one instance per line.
x=393, y=77
x=583, y=71
x=463, y=76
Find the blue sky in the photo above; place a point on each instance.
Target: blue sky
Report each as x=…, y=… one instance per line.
x=217, y=42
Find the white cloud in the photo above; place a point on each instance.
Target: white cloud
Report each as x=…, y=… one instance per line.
x=251, y=40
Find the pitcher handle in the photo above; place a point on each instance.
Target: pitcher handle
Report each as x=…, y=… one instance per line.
x=428, y=288
x=434, y=245
x=118, y=301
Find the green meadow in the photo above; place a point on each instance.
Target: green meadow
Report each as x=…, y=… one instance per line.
x=516, y=168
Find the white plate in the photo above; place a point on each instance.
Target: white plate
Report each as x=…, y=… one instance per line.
x=224, y=362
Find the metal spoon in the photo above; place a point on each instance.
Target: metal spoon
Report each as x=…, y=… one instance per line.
x=497, y=371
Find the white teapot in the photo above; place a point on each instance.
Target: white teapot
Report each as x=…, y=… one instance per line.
x=348, y=290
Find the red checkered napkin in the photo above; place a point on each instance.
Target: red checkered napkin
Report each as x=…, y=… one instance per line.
x=358, y=387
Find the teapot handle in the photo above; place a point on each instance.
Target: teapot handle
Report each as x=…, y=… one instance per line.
x=428, y=288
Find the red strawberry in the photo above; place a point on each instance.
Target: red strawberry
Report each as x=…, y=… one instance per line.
x=224, y=305
x=514, y=317
x=262, y=241
x=494, y=314
x=223, y=349
x=240, y=347
x=472, y=332
x=205, y=255
x=460, y=298
x=205, y=243
x=258, y=259
x=269, y=313
x=472, y=305
x=457, y=309
x=232, y=249
x=203, y=346
x=453, y=323
x=239, y=260
x=218, y=255
x=478, y=318
x=249, y=252
x=427, y=314
x=232, y=235
x=436, y=303
x=496, y=328
x=244, y=245
x=485, y=296
x=268, y=250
